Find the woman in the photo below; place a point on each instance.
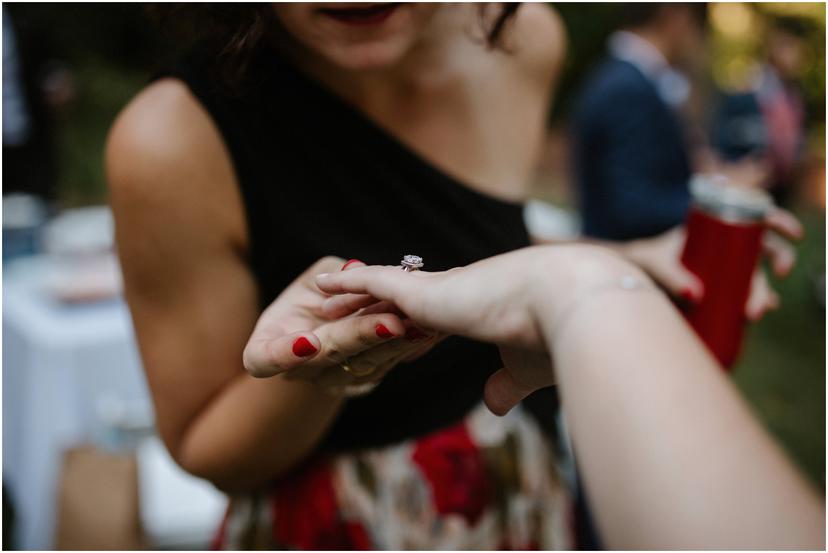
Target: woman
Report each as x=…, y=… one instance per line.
x=314, y=134
x=359, y=132
x=672, y=458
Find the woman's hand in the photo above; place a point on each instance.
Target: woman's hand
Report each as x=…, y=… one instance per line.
x=660, y=258
x=494, y=300
x=294, y=338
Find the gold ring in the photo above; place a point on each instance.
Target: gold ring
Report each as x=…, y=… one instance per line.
x=352, y=390
x=350, y=370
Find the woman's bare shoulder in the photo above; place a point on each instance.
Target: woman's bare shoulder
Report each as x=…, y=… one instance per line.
x=165, y=154
x=163, y=131
x=539, y=39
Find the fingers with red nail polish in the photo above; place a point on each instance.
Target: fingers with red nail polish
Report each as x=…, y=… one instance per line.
x=303, y=348
x=303, y=355
x=317, y=348
x=264, y=357
x=383, y=332
x=688, y=295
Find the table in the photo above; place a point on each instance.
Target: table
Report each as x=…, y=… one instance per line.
x=178, y=511
x=64, y=367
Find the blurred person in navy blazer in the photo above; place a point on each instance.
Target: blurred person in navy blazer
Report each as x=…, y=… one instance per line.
x=631, y=157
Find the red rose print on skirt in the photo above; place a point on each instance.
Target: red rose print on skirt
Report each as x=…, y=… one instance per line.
x=307, y=516
x=456, y=471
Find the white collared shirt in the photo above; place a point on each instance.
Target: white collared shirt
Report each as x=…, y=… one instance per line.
x=672, y=86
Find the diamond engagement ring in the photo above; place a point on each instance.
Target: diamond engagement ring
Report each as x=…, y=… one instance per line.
x=411, y=263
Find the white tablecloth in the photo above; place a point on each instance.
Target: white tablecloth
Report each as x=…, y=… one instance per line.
x=178, y=511
x=60, y=363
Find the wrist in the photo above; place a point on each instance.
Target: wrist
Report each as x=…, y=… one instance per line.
x=571, y=274
x=631, y=251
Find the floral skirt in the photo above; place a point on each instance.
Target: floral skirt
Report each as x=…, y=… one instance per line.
x=485, y=483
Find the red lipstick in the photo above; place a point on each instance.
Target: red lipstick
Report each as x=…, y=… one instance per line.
x=368, y=14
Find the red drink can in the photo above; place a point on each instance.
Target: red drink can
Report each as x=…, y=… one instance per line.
x=724, y=243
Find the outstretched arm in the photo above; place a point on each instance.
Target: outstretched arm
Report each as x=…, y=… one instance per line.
x=671, y=455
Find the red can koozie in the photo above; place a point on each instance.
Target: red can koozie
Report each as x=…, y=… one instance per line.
x=724, y=243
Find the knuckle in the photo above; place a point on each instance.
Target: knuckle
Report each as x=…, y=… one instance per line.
x=258, y=371
x=334, y=356
x=367, y=335
x=273, y=356
x=253, y=366
x=255, y=372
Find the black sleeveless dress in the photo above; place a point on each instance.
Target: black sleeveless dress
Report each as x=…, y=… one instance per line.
x=320, y=178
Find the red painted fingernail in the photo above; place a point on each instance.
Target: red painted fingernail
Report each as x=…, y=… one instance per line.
x=689, y=295
x=414, y=333
x=383, y=332
x=350, y=261
x=303, y=348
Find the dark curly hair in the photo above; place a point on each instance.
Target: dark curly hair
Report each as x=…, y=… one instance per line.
x=236, y=31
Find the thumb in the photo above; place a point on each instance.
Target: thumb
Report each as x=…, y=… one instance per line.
x=265, y=357
x=502, y=392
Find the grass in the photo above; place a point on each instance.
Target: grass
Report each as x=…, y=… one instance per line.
x=782, y=371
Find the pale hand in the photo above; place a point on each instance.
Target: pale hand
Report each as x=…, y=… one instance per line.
x=493, y=300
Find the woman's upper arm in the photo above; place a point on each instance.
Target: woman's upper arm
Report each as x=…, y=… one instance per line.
x=180, y=234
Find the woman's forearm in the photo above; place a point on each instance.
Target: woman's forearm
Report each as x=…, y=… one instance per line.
x=255, y=431
x=671, y=455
